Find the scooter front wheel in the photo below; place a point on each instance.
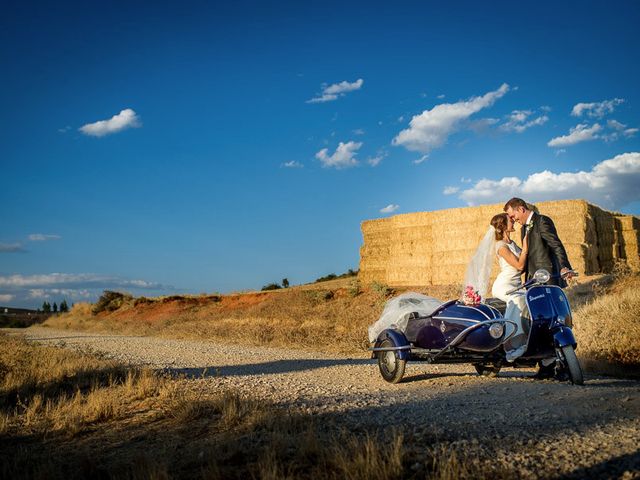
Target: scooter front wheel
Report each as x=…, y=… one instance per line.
x=390, y=364
x=571, y=363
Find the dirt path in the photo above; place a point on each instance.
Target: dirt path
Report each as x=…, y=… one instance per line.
x=543, y=428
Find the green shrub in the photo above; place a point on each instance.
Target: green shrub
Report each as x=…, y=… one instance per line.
x=382, y=289
x=271, y=286
x=318, y=296
x=326, y=278
x=355, y=288
x=110, y=301
x=333, y=276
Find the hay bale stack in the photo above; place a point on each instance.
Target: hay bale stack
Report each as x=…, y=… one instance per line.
x=434, y=248
x=628, y=236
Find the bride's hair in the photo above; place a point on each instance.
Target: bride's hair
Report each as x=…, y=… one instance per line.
x=500, y=223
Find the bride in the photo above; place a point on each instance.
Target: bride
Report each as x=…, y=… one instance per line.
x=497, y=241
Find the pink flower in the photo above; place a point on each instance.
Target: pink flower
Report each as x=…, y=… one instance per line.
x=471, y=296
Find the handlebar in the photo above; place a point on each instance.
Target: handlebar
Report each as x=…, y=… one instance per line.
x=533, y=281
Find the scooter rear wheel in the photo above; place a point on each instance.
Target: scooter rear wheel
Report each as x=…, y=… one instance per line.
x=572, y=365
x=390, y=364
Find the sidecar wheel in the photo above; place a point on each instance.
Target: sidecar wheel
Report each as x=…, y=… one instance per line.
x=485, y=370
x=573, y=366
x=390, y=365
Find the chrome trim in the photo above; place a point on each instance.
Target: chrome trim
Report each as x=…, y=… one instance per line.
x=494, y=310
x=514, y=331
x=389, y=349
x=463, y=334
x=456, y=318
x=470, y=329
x=478, y=310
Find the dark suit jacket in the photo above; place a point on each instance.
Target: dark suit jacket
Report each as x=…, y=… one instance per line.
x=545, y=249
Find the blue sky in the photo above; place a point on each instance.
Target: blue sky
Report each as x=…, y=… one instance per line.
x=156, y=147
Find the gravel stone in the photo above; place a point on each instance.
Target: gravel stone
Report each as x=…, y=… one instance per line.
x=536, y=428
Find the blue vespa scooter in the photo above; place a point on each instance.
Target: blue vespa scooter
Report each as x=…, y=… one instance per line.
x=460, y=333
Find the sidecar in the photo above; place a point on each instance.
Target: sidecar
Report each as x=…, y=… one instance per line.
x=452, y=333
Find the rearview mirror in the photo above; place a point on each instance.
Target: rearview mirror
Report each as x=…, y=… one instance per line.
x=541, y=276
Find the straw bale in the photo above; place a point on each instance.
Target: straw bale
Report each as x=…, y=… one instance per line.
x=630, y=243
x=628, y=222
x=583, y=258
x=616, y=251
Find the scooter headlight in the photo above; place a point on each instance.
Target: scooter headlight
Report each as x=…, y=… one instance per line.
x=496, y=330
x=542, y=276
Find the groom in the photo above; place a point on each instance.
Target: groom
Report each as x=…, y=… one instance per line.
x=545, y=248
x=545, y=251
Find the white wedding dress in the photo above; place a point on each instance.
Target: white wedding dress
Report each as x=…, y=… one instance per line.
x=508, y=279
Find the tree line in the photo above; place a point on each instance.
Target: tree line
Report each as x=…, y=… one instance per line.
x=48, y=308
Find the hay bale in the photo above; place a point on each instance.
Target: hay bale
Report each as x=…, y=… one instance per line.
x=628, y=222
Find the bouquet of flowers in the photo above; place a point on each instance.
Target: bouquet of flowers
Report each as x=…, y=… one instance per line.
x=471, y=296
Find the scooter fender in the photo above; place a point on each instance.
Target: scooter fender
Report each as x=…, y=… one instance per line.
x=563, y=336
x=398, y=339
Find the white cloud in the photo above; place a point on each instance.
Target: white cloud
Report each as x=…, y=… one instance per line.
x=431, y=128
x=74, y=294
x=423, y=158
x=41, y=237
x=343, y=157
x=127, y=118
x=612, y=183
x=292, y=164
x=358, y=131
x=518, y=121
x=596, y=109
x=450, y=190
x=560, y=151
x=390, y=208
x=616, y=125
x=375, y=161
x=11, y=247
x=619, y=129
x=28, y=290
x=332, y=92
x=441, y=96
x=583, y=132
x=482, y=125
x=53, y=280
x=6, y=298
x=580, y=133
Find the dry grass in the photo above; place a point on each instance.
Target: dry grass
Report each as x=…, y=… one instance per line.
x=55, y=391
x=68, y=415
x=607, y=328
x=330, y=317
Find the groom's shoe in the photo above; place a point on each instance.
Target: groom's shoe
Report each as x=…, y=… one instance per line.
x=544, y=373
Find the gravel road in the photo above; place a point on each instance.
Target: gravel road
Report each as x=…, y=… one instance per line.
x=538, y=428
